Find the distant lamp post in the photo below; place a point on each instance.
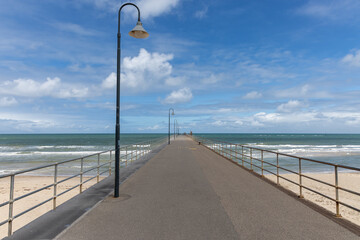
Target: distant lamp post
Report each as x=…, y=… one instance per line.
x=169, y=122
x=137, y=32
x=177, y=127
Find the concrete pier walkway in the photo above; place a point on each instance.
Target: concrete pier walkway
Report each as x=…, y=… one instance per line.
x=188, y=192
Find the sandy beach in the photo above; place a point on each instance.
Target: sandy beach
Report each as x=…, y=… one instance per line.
x=26, y=184
x=349, y=181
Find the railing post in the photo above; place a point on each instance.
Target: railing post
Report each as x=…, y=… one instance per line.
x=137, y=152
x=251, y=158
x=55, y=186
x=81, y=174
x=236, y=154
x=242, y=155
x=98, y=168
x=300, y=180
x=262, y=163
x=11, y=204
x=110, y=164
x=277, y=168
x=131, y=160
x=126, y=153
x=337, y=192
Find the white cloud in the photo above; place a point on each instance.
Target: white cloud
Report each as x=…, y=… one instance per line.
x=181, y=96
x=142, y=72
x=51, y=87
x=253, y=95
x=333, y=10
x=174, y=81
x=304, y=91
x=7, y=101
x=155, y=127
x=212, y=79
x=74, y=28
x=154, y=8
x=263, y=72
x=110, y=81
x=219, y=123
x=352, y=59
x=290, y=106
x=148, y=8
x=201, y=13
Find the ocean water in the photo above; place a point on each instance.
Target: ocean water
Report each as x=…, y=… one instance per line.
x=342, y=149
x=22, y=151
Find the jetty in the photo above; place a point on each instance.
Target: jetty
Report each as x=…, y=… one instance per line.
x=186, y=191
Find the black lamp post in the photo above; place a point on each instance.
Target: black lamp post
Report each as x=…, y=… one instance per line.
x=169, y=123
x=137, y=32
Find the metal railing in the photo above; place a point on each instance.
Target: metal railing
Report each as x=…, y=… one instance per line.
x=253, y=158
x=104, y=160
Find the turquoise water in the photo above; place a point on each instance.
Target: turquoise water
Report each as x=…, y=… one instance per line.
x=343, y=149
x=21, y=151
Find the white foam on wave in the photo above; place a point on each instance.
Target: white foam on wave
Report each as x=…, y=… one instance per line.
x=38, y=153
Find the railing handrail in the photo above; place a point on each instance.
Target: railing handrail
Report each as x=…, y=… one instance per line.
x=284, y=154
x=51, y=164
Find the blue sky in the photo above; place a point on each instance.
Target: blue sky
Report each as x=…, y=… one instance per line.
x=224, y=66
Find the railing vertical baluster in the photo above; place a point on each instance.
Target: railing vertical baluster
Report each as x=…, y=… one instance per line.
x=251, y=160
x=262, y=163
x=300, y=180
x=11, y=204
x=277, y=168
x=98, y=168
x=55, y=185
x=230, y=151
x=81, y=174
x=242, y=155
x=337, y=192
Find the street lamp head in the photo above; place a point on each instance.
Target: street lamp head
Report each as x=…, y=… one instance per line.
x=138, y=31
x=173, y=113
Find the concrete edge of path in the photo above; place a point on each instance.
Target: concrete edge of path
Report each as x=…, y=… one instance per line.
x=328, y=214
x=56, y=222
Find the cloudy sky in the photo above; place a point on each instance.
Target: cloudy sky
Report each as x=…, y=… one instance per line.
x=224, y=66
